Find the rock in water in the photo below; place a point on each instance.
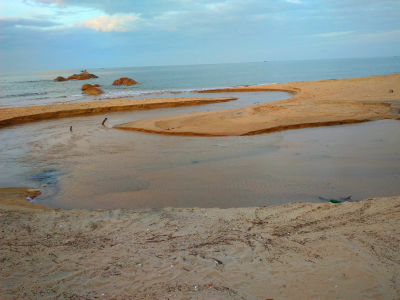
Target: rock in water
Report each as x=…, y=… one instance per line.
x=93, y=91
x=124, y=81
x=82, y=76
x=60, y=78
x=86, y=86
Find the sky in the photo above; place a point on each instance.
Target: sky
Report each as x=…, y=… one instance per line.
x=69, y=34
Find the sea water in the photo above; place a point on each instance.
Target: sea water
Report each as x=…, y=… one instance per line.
x=97, y=166
x=39, y=88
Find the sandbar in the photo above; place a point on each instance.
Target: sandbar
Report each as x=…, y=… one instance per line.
x=315, y=103
x=292, y=251
x=17, y=115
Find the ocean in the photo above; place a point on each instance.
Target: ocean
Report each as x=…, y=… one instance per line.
x=99, y=167
x=38, y=88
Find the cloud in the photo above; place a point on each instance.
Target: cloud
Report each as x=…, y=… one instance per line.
x=379, y=36
x=154, y=8
x=334, y=34
x=58, y=2
x=18, y=22
x=110, y=7
x=118, y=22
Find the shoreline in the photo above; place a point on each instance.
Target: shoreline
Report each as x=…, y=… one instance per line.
x=321, y=250
x=314, y=104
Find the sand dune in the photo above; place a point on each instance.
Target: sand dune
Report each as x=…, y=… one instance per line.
x=315, y=103
x=292, y=251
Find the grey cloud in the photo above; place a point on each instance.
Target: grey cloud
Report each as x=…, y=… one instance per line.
x=148, y=8
x=13, y=21
x=152, y=8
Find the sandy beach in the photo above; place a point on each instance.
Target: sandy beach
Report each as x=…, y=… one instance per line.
x=315, y=103
x=348, y=250
x=292, y=251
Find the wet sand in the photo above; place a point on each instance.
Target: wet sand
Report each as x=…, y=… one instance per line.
x=292, y=251
x=18, y=115
x=315, y=103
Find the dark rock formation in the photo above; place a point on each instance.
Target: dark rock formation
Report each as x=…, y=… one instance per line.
x=60, y=78
x=86, y=86
x=124, y=81
x=82, y=76
x=93, y=91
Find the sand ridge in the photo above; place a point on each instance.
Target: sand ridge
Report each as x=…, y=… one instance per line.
x=16, y=115
x=292, y=251
x=315, y=103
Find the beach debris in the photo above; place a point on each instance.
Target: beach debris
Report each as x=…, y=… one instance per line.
x=210, y=284
x=218, y=262
x=60, y=226
x=104, y=121
x=124, y=81
x=390, y=91
x=341, y=199
x=70, y=129
x=335, y=201
x=195, y=287
x=30, y=199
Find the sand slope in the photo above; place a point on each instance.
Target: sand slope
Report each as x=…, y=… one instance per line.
x=293, y=251
x=315, y=103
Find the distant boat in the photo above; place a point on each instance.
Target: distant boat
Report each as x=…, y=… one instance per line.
x=83, y=71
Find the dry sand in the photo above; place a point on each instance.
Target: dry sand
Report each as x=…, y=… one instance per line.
x=315, y=103
x=16, y=115
x=292, y=251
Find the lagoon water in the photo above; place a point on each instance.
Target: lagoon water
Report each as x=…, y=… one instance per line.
x=100, y=167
